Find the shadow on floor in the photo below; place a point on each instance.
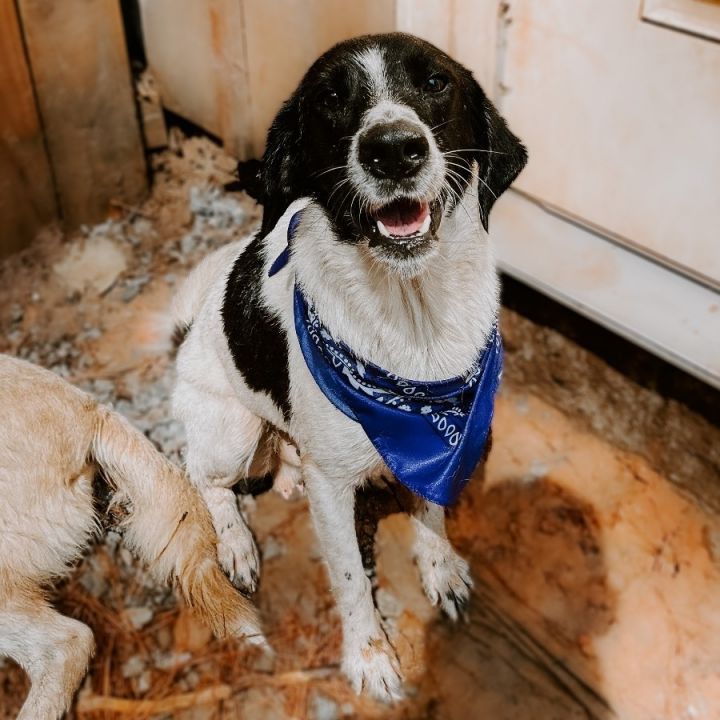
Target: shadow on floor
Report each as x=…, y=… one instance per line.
x=540, y=599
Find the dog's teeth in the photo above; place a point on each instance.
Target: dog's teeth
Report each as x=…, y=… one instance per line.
x=383, y=230
x=425, y=226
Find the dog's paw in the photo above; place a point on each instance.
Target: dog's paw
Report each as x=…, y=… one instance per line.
x=372, y=668
x=238, y=555
x=446, y=580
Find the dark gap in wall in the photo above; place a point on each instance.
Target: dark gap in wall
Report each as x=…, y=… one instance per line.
x=188, y=128
x=134, y=41
x=135, y=45
x=640, y=366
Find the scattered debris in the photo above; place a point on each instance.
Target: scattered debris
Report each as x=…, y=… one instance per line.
x=212, y=207
x=94, y=264
x=138, y=617
x=133, y=667
x=133, y=286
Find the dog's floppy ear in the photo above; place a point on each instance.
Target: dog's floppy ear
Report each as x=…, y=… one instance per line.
x=281, y=163
x=249, y=180
x=501, y=156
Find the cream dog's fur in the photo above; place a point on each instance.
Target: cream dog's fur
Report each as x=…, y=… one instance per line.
x=53, y=439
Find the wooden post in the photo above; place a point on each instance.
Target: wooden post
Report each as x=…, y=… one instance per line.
x=27, y=198
x=82, y=80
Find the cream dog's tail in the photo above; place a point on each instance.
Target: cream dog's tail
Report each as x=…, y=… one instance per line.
x=169, y=527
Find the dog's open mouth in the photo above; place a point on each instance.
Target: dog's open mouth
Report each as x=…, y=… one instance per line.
x=404, y=226
x=403, y=219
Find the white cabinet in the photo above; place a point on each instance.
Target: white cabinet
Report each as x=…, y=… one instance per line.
x=618, y=211
x=623, y=120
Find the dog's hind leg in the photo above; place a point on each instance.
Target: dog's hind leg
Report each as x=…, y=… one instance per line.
x=444, y=574
x=53, y=649
x=223, y=438
x=288, y=475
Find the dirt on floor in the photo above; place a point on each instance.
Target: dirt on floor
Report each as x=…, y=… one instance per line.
x=593, y=535
x=641, y=407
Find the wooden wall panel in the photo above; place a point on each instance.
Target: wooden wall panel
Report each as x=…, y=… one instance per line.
x=241, y=58
x=82, y=79
x=465, y=29
x=284, y=38
x=187, y=80
x=27, y=200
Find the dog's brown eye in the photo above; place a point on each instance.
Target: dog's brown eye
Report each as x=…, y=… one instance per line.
x=436, y=83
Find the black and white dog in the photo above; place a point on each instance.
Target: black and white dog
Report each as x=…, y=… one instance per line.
x=395, y=156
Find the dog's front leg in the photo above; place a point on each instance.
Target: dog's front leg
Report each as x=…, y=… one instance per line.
x=445, y=575
x=368, y=659
x=223, y=437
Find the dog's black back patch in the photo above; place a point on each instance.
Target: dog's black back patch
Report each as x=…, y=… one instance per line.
x=257, y=341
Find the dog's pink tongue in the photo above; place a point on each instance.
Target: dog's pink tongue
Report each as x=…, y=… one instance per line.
x=404, y=217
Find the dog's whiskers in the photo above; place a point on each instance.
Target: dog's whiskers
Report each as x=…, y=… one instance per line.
x=490, y=190
x=329, y=170
x=455, y=191
x=439, y=125
x=459, y=203
x=337, y=187
x=482, y=150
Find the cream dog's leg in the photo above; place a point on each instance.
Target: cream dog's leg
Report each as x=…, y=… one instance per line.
x=222, y=440
x=445, y=575
x=53, y=649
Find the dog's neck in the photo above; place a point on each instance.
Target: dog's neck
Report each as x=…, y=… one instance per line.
x=430, y=327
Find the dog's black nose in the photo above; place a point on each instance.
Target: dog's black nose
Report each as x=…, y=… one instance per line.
x=393, y=151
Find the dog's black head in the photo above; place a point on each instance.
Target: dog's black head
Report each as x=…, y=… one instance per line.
x=385, y=132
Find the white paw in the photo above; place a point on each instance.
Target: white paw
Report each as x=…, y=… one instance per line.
x=446, y=579
x=288, y=481
x=372, y=668
x=238, y=555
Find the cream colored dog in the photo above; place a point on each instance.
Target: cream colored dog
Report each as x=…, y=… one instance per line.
x=53, y=439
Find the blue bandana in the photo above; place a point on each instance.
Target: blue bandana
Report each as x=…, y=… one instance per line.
x=430, y=434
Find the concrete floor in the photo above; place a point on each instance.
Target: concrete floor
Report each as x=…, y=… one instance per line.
x=596, y=568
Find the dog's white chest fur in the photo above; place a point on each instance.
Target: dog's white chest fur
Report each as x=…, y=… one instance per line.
x=429, y=327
